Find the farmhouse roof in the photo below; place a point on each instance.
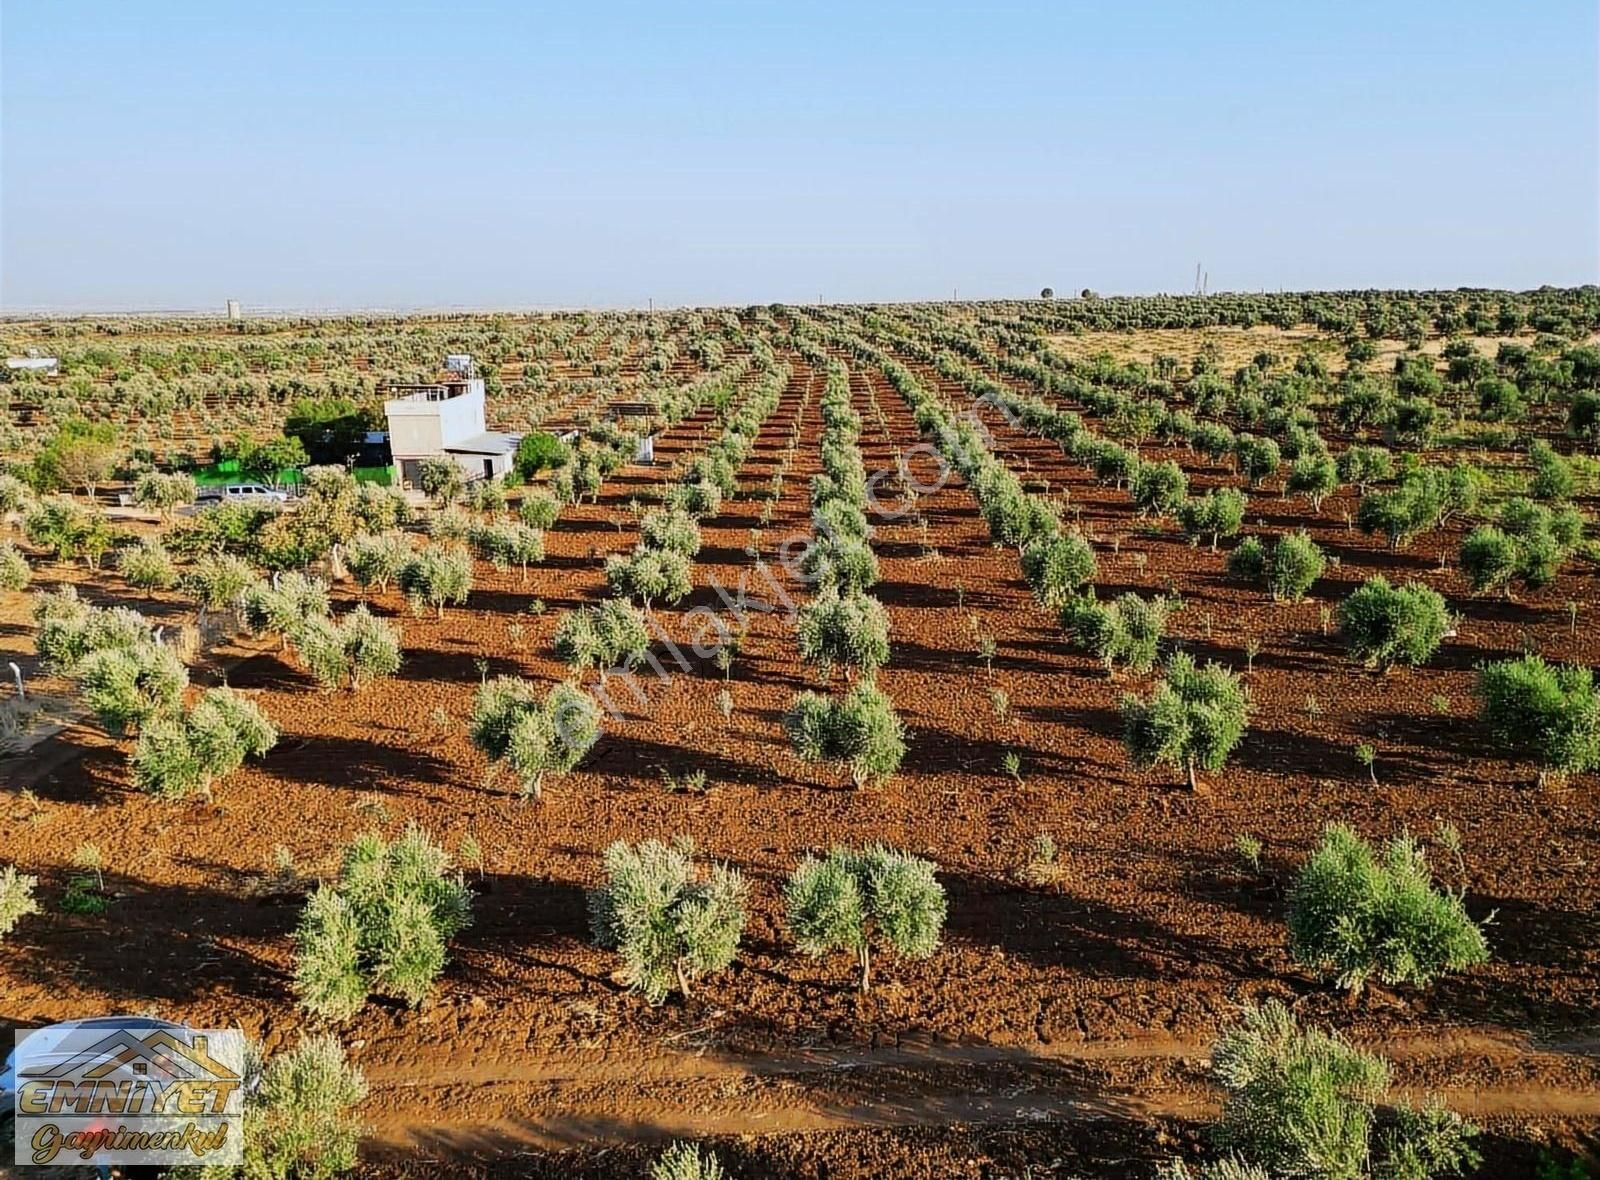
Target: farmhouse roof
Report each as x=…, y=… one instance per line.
x=490, y=442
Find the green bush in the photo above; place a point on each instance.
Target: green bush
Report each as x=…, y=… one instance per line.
x=16, y=898
x=441, y=480
x=216, y=580
x=67, y=530
x=70, y=629
x=684, y=1161
x=350, y=653
x=851, y=631
x=539, y=510
x=1158, y=489
x=534, y=736
x=847, y=565
x=1490, y=558
x=1413, y=423
x=15, y=573
x=1249, y=560
x=1219, y=513
x=299, y=1121
x=1294, y=567
x=486, y=495
x=284, y=606
x=1545, y=712
x=126, y=686
x=1125, y=631
x=148, y=566
x=649, y=575
x=1552, y=475
x=540, y=451
x=1364, y=466
x=436, y=576
x=504, y=544
x=179, y=756
x=163, y=493
x=1315, y=477
x=858, y=900
x=1195, y=718
x=1057, y=568
x=1303, y=1103
x=612, y=635
x=1355, y=915
x=859, y=730
x=671, y=924
x=382, y=927
x=1257, y=457
x=1384, y=625
x=670, y=530
x=378, y=509
x=375, y=561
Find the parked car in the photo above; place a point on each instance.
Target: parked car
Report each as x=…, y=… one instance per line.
x=240, y=492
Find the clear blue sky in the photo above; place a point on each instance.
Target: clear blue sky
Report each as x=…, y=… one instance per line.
x=168, y=155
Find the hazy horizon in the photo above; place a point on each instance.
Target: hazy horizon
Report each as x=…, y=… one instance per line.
x=411, y=158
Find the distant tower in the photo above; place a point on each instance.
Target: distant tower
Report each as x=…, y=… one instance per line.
x=233, y=310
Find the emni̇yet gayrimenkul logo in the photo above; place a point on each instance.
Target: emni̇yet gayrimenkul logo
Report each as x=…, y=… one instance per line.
x=126, y=1090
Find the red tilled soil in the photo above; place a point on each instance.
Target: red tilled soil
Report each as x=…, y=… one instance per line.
x=1153, y=936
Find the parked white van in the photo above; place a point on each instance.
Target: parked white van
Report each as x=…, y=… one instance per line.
x=240, y=492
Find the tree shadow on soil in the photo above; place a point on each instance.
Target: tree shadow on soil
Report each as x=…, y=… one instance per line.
x=356, y=764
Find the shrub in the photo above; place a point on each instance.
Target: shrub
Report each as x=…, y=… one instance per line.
x=299, y=1121
x=534, y=736
x=1548, y=713
x=148, y=566
x=435, y=576
x=1219, y=513
x=126, y=686
x=16, y=898
x=839, y=518
x=1365, y=466
x=1490, y=558
x=1214, y=440
x=375, y=561
x=859, y=730
x=1355, y=915
x=1127, y=630
x=613, y=634
x=856, y=900
x=1384, y=625
x=700, y=498
x=1195, y=718
x=1113, y=464
x=539, y=510
x=378, y=509
x=670, y=530
x=15, y=496
x=1315, y=477
x=540, y=451
x=441, y=480
x=70, y=629
x=382, y=927
x=14, y=571
x=850, y=630
x=68, y=530
x=846, y=564
x=1158, y=489
x=1303, y=1103
x=1257, y=457
x=284, y=606
x=1499, y=400
x=451, y=524
x=183, y=755
x=504, y=544
x=1249, y=560
x=1413, y=422
x=163, y=493
x=1295, y=566
x=216, y=580
x=486, y=495
x=1552, y=475
x=350, y=653
x=670, y=924
x=1057, y=568
x=684, y=1161
x=649, y=575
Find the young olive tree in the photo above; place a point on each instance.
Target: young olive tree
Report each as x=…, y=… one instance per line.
x=375, y=561
x=611, y=636
x=671, y=923
x=1217, y=514
x=182, y=755
x=15, y=573
x=351, y=652
x=649, y=575
x=1316, y=477
x=164, y=493
x=1158, y=489
x=539, y=510
x=148, y=566
x=284, y=607
x=671, y=530
x=1058, y=568
x=436, y=576
x=534, y=736
x=1127, y=630
x=859, y=730
x=1355, y=915
x=1548, y=713
x=442, y=480
x=299, y=1120
x=16, y=898
x=858, y=900
x=1384, y=625
x=383, y=927
x=685, y=1161
x=126, y=686
x=851, y=631
x=1194, y=719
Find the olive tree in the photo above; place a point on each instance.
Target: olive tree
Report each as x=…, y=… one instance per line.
x=183, y=754
x=1219, y=513
x=612, y=635
x=671, y=923
x=534, y=735
x=1549, y=713
x=1127, y=630
x=1057, y=568
x=435, y=576
x=1193, y=719
x=850, y=631
x=649, y=575
x=351, y=652
x=1384, y=625
x=859, y=730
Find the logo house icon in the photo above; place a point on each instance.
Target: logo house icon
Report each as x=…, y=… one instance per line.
x=158, y=1055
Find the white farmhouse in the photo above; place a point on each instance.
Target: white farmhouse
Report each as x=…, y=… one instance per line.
x=445, y=417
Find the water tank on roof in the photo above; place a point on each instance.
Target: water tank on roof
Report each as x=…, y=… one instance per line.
x=459, y=362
